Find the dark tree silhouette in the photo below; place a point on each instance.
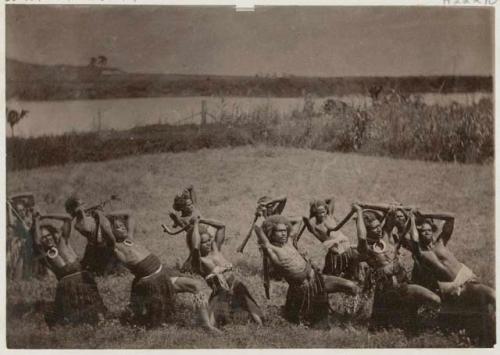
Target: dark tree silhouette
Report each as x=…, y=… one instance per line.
x=375, y=91
x=93, y=61
x=13, y=117
x=102, y=60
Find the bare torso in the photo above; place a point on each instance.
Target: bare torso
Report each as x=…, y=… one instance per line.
x=86, y=226
x=380, y=254
x=214, y=262
x=441, y=261
x=288, y=260
x=185, y=220
x=130, y=253
x=338, y=242
x=65, y=256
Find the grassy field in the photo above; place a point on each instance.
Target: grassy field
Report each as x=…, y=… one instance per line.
x=229, y=181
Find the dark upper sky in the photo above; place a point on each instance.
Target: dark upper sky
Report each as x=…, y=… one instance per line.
x=330, y=41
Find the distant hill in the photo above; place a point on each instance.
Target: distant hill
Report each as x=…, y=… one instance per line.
x=28, y=81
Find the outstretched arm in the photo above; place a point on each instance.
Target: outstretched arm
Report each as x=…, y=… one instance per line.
x=176, y=220
x=330, y=202
x=129, y=220
x=261, y=236
x=195, y=247
x=107, y=231
x=447, y=230
x=66, y=229
x=389, y=225
x=360, y=229
x=195, y=236
x=37, y=236
x=56, y=216
x=192, y=194
x=277, y=204
x=263, y=240
x=319, y=235
x=414, y=235
x=310, y=227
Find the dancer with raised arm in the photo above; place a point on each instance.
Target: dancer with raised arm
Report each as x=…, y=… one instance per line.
x=459, y=288
x=395, y=299
x=307, y=296
x=77, y=297
x=229, y=293
x=342, y=258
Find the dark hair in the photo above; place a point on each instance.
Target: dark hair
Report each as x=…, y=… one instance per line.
x=315, y=204
x=369, y=216
x=72, y=203
x=428, y=221
x=271, y=222
x=180, y=201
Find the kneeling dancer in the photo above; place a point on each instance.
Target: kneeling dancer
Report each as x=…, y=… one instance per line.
x=395, y=299
x=468, y=302
x=98, y=258
x=341, y=258
x=152, y=298
x=229, y=293
x=307, y=296
x=77, y=298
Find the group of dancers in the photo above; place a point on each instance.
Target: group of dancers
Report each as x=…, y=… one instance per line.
x=373, y=264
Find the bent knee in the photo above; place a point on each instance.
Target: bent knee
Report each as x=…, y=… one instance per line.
x=185, y=284
x=433, y=298
x=352, y=287
x=421, y=294
x=197, y=286
x=488, y=294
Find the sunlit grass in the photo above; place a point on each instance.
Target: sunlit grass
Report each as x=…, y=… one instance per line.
x=228, y=182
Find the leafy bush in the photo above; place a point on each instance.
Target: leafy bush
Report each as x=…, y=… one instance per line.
x=398, y=127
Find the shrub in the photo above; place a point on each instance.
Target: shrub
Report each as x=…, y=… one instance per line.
x=399, y=128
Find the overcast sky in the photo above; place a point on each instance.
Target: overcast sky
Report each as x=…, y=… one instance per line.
x=326, y=41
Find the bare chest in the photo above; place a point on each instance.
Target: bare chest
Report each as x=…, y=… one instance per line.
x=289, y=257
x=214, y=261
x=130, y=252
x=380, y=254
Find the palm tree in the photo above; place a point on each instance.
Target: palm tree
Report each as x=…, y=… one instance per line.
x=102, y=60
x=13, y=117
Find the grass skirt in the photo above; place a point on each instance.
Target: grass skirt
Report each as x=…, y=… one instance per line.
x=307, y=303
x=342, y=265
x=77, y=300
x=152, y=299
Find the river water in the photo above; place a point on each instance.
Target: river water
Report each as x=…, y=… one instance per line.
x=58, y=117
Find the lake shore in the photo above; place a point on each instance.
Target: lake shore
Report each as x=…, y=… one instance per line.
x=397, y=128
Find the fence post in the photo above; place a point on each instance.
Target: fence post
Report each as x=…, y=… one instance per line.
x=203, y=112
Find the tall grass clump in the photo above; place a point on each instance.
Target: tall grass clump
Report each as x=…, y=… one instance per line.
x=397, y=127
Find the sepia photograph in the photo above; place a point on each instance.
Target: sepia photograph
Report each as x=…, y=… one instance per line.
x=197, y=177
